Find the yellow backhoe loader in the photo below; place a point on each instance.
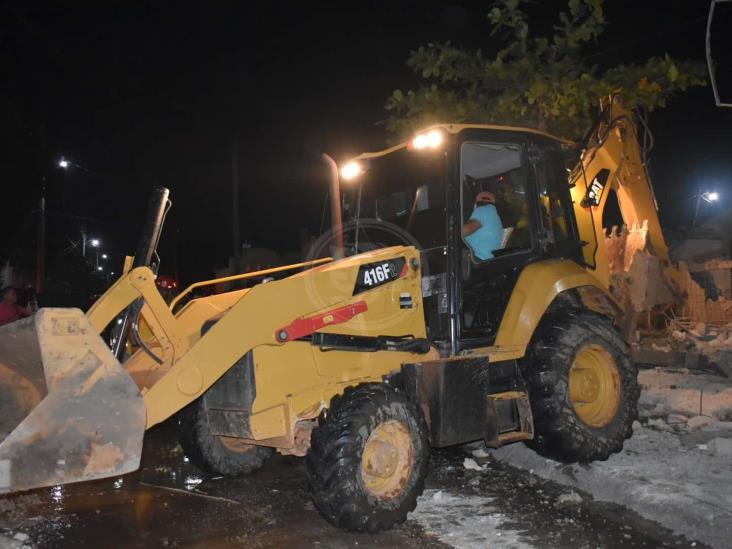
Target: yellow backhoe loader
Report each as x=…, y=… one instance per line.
x=415, y=336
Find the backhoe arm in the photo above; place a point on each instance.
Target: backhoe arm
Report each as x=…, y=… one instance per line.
x=613, y=160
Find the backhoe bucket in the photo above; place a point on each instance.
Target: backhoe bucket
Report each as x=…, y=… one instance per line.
x=68, y=410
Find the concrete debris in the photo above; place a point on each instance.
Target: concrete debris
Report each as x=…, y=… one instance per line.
x=470, y=522
x=665, y=347
x=699, y=422
x=676, y=469
x=721, y=447
x=682, y=392
x=571, y=497
x=687, y=491
x=698, y=329
x=678, y=335
x=20, y=536
x=718, y=426
x=6, y=542
x=471, y=465
x=480, y=453
x=659, y=424
x=676, y=419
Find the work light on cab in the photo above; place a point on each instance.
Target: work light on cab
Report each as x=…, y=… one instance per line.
x=351, y=170
x=430, y=140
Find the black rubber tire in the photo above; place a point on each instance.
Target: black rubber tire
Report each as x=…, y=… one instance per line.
x=559, y=432
x=208, y=453
x=334, y=458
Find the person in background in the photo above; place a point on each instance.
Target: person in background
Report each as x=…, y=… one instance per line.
x=10, y=311
x=483, y=232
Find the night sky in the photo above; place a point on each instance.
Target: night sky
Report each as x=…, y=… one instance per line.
x=156, y=94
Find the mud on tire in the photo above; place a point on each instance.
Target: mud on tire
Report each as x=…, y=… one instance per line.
x=558, y=346
x=344, y=473
x=226, y=456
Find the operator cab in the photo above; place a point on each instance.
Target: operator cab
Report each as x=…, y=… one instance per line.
x=423, y=193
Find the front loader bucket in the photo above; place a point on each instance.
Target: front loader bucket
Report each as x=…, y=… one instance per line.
x=68, y=410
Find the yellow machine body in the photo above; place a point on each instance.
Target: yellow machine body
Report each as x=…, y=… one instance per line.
x=275, y=324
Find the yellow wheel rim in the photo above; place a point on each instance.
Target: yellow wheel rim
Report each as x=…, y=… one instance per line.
x=386, y=462
x=594, y=386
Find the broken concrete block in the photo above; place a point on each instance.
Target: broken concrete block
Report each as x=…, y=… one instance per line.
x=698, y=329
x=471, y=465
x=569, y=498
x=718, y=426
x=658, y=424
x=721, y=446
x=724, y=363
x=674, y=419
x=698, y=422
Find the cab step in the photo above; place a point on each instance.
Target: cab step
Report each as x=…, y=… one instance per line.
x=508, y=418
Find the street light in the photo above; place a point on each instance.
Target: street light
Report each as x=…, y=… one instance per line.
x=94, y=242
x=104, y=256
x=63, y=163
x=707, y=196
x=100, y=268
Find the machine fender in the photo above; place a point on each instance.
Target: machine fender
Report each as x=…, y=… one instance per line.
x=538, y=285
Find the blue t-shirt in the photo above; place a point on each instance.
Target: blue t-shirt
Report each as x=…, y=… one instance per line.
x=489, y=236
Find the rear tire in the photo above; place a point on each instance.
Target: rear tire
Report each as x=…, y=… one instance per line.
x=227, y=456
x=583, y=387
x=368, y=458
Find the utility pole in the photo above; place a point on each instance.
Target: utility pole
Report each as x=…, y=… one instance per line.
x=41, y=243
x=698, y=197
x=235, y=205
x=83, y=242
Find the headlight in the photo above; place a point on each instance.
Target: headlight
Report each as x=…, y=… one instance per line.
x=430, y=140
x=351, y=170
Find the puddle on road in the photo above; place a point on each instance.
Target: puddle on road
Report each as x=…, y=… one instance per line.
x=169, y=502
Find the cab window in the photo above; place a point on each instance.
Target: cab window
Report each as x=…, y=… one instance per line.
x=399, y=199
x=495, y=209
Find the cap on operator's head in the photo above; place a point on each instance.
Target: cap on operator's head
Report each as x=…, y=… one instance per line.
x=485, y=196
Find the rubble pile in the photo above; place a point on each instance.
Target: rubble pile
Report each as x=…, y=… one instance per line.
x=677, y=467
x=684, y=400
x=714, y=342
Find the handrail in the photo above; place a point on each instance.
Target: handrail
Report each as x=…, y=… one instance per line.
x=242, y=276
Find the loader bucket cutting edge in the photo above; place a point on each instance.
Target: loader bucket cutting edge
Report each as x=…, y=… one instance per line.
x=68, y=410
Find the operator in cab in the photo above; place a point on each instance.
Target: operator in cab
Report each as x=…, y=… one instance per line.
x=483, y=232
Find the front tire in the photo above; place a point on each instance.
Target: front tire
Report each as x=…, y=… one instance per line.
x=583, y=387
x=368, y=459
x=217, y=454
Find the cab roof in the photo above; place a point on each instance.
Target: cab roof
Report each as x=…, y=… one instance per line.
x=457, y=128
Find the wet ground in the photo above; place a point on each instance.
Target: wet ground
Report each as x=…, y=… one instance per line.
x=169, y=503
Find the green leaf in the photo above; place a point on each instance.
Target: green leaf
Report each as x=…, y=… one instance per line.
x=673, y=73
x=541, y=79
